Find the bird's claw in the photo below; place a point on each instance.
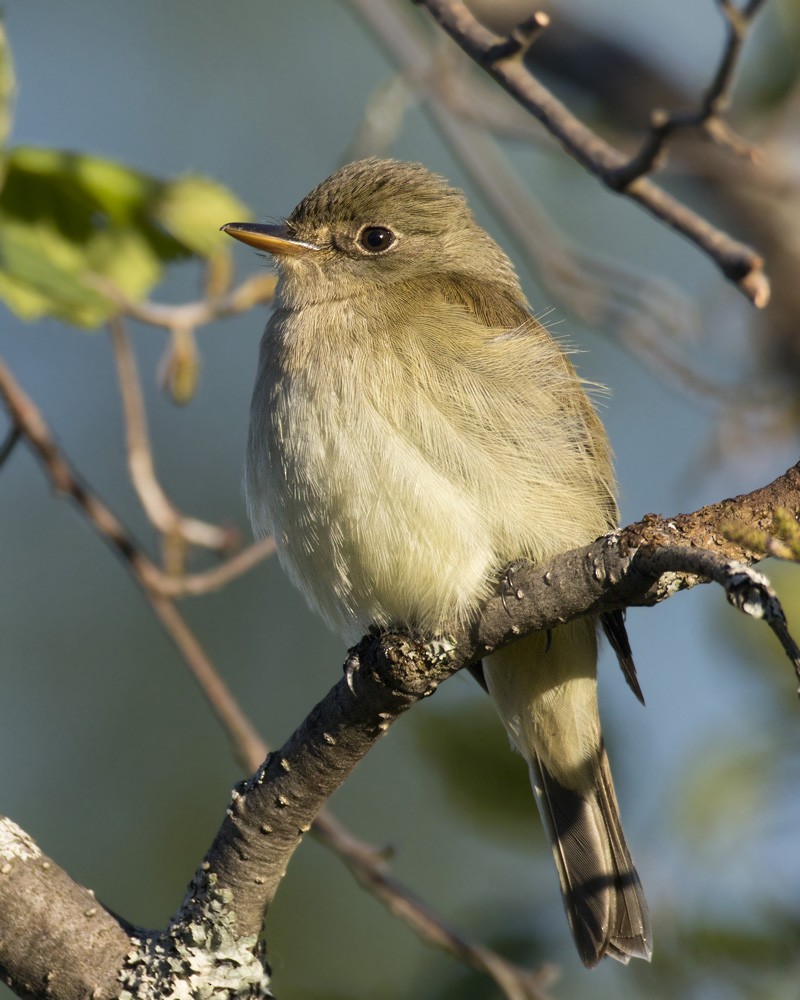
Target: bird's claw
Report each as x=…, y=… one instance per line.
x=351, y=667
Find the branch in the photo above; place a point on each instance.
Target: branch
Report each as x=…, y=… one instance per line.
x=619, y=298
x=28, y=422
x=366, y=863
x=152, y=581
x=57, y=940
x=715, y=101
x=176, y=529
x=258, y=288
x=738, y=262
x=386, y=674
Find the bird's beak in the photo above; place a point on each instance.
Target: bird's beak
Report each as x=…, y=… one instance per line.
x=272, y=239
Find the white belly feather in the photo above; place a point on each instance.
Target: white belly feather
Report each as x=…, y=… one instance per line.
x=403, y=502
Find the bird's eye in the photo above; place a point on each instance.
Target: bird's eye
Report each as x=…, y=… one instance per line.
x=376, y=239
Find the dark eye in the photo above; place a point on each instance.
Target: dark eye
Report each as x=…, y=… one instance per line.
x=375, y=239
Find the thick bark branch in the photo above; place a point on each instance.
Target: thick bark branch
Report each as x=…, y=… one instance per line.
x=56, y=940
x=148, y=953
x=385, y=675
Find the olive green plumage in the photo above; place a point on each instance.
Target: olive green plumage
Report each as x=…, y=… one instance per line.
x=414, y=429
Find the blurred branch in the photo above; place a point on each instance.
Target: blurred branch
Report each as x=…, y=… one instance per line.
x=366, y=862
x=515, y=982
x=27, y=422
x=176, y=529
x=154, y=583
x=13, y=438
x=781, y=541
x=196, y=584
x=642, y=564
x=738, y=262
x=255, y=290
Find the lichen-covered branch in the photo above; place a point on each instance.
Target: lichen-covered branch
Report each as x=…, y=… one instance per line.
x=221, y=918
x=385, y=675
x=154, y=955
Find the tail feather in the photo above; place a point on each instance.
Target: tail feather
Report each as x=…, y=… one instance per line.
x=614, y=628
x=603, y=897
x=547, y=697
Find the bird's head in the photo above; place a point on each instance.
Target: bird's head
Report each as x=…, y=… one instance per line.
x=375, y=225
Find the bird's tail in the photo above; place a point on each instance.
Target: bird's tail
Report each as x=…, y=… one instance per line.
x=546, y=694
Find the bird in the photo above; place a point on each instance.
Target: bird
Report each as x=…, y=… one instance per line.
x=414, y=430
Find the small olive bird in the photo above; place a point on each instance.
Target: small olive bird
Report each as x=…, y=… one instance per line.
x=414, y=430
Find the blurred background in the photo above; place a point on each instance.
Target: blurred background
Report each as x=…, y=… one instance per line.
x=110, y=757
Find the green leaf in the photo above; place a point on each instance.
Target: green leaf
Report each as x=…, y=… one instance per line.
x=7, y=87
x=75, y=227
x=193, y=208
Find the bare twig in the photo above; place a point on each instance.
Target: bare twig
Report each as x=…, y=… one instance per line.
x=707, y=116
x=13, y=438
x=515, y=982
x=364, y=860
x=258, y=288
x=196, y=584
x=176, y=528
x=519, y=39
x=738, y=262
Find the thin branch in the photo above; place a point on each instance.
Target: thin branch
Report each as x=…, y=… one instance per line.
x=147, y=575
x=516, y=982
x=196, y=584
x=520, y=39
x=176, y=528
x=365, y=861
x=13, y=438
x=715, y=100
x=738, y=262
x=66, y=480
x=254, y=290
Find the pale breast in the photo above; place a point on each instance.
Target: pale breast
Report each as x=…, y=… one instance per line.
x=399, y=479
x=368, y=529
